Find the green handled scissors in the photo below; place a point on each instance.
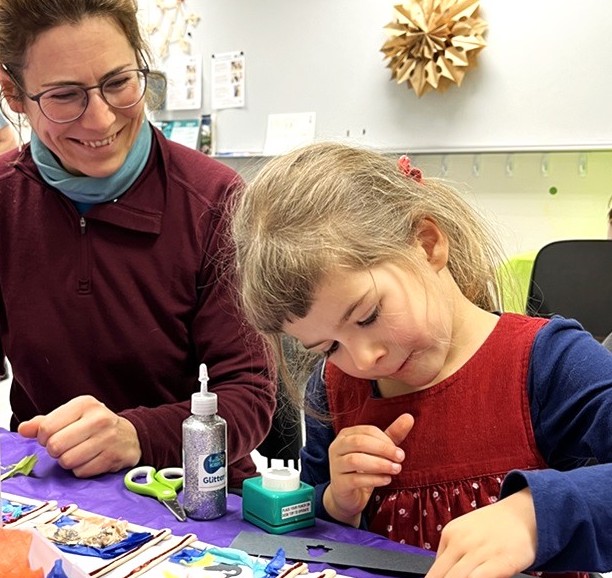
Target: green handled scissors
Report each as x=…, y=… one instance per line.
x=163, y=485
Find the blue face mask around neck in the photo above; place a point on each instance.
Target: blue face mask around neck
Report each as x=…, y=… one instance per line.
x=93, y=190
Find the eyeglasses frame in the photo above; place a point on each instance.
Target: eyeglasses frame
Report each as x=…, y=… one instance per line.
x=145, y=70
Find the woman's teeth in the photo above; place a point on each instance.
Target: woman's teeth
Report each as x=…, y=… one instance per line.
x=98, y=143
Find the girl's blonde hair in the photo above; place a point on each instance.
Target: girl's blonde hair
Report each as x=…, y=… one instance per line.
x=330, y=205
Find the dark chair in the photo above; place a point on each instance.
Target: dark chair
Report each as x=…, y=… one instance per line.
x=285, y=438
x=574, y=279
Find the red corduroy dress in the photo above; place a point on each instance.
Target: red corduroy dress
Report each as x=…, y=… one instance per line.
x=470, y=430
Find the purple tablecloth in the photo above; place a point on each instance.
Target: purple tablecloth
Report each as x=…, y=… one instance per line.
x=107, y=495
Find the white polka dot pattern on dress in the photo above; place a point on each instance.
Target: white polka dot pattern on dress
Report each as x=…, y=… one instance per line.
x=417, y=515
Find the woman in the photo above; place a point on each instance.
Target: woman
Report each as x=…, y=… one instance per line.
x=111, y=240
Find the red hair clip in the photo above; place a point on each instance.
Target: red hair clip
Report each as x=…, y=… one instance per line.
x=403, y=164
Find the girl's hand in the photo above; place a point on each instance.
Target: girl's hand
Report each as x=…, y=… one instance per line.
x=495, y=541
x=362, y=458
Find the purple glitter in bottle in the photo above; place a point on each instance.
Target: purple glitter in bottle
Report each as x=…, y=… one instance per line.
x=204, y=456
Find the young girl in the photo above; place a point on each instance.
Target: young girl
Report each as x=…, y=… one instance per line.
x=450, y=427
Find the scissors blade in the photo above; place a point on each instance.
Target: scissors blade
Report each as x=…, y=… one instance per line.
x=175, y=507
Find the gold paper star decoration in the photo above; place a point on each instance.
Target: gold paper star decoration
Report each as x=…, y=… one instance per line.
x=433, y=43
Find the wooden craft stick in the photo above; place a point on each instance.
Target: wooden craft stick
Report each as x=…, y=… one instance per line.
x=166, y=553
x=327, y=573
x=32, y=514
x=155, y=538
x=295, y=570
x=54, y=515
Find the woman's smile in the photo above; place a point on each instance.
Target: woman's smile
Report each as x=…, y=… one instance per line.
x=94, y=144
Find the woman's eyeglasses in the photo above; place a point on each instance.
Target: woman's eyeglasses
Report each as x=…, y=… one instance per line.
x=68, y=103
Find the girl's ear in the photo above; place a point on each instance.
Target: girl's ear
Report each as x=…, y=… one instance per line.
x=10, y=92
x=434, y=242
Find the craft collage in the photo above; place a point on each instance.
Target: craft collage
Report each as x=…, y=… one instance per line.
x=91, y=545
x=88, y=544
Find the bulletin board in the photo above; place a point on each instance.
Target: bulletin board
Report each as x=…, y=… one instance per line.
x=542, y=83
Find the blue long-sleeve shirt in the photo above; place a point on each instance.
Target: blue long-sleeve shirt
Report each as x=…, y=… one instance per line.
x=570, y=392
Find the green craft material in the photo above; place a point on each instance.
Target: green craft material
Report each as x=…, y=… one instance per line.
x=23, y=467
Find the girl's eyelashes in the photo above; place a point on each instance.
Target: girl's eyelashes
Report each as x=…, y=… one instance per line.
x=370, y=318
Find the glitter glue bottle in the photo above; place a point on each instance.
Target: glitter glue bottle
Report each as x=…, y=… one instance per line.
x=204, y=456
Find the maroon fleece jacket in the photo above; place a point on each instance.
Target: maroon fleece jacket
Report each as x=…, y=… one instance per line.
x=125, y=302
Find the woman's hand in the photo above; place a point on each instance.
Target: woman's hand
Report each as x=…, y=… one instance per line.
x=495, y=541
x=362, y=458
x=85, y=437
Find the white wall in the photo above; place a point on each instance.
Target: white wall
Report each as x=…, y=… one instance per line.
x=512, y=191
x=542, y=83
x=543, y=80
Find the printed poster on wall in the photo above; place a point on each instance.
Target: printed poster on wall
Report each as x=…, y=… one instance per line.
x=184, y=88
x=187, y=132
x=227, y=80
x=287, y=131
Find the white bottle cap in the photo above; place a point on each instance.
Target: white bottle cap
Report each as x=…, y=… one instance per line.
x=280, y=479
x=203, y=403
